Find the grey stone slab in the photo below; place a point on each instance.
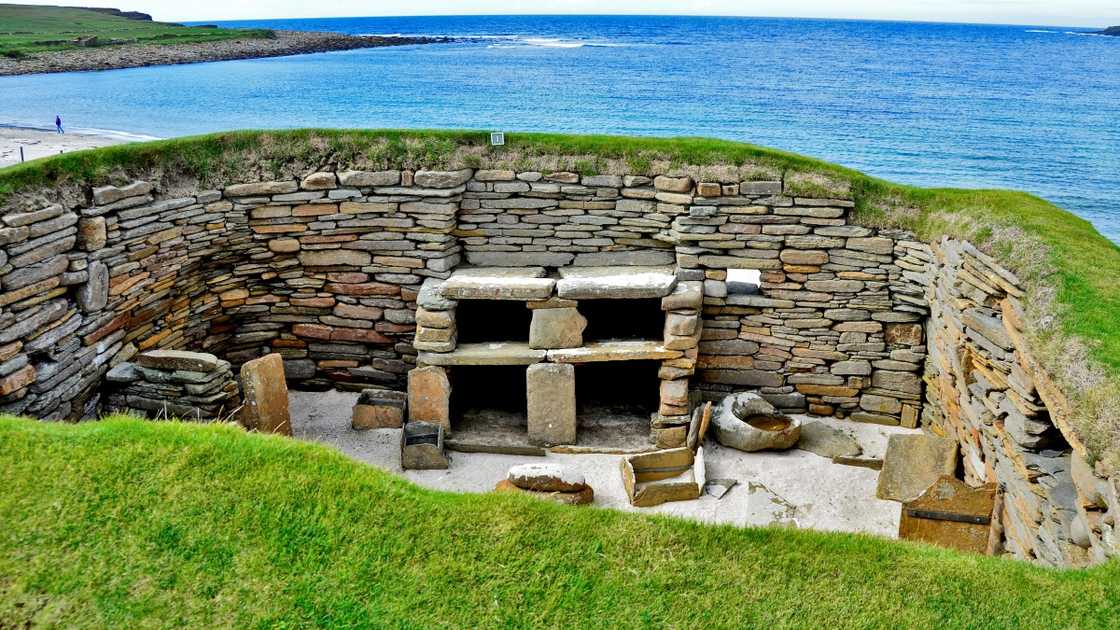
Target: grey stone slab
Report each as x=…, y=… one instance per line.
x=495, y=353
x=551, y=412
x=913, y=463
x=498, y=284
x=583, y=283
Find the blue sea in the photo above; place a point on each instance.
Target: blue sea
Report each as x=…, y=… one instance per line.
x=1019, y=107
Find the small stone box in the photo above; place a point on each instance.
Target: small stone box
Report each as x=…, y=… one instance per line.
x=951, y=514
x=422, y=447
x=676, y=474
x=379, y=409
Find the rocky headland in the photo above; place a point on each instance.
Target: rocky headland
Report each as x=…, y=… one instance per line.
x=1112, y=30
x=136, y=55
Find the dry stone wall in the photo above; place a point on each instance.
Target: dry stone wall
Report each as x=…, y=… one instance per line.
x=987, y=392
x=327, y=271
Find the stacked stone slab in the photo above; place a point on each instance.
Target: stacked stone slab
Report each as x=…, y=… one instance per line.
x=328, y=271
x=174, y=384
x=986, y=392
x=836, y=326
x=555, y=342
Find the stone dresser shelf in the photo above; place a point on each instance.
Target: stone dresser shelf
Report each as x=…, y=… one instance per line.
x=493, y=353
x=638, y=314
x=600, y=351
x=519, y=353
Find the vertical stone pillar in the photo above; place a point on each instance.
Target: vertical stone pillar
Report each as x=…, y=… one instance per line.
x=551, y=393
x=429, y=396
x=265, y=407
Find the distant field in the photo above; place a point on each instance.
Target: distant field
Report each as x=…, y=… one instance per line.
x=26, y=30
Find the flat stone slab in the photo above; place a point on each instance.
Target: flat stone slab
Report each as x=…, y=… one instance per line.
x=590, y=283
x=498, y=283
x=492, y=353
x=180, y=360
x=826, y=441
x=614, y=351
x=913, y=463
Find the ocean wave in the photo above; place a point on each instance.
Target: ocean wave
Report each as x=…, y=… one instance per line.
x=513, y=41
x=1039, y=30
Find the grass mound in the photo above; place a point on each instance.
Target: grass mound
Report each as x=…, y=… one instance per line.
x=1070, y=272
x=126, y=523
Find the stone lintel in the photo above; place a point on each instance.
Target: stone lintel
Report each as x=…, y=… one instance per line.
x=498, y=283
x=583, y=283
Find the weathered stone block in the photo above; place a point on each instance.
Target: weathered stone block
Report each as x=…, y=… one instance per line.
x=180, y=360
x=92, y=234
x=319, y=181
x=913, y=463
x=555, y=328
x=672, y=184
x=551, y=394
x=442, y=179
x=265, y=402
x=369, y=178
x=906, y=334
x=498, y=284
x=379, y=409
x=582, y=283
x=335, y=257
x=422, y=447
x=429, y=396
x=546, y=478
x=94, y=294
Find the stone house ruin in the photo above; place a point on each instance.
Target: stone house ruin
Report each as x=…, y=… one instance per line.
x=549, y=299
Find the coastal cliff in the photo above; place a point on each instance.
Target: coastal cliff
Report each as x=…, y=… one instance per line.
x=1112, y=30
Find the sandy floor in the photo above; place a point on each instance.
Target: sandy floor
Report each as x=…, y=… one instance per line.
x=795, y=488
x=37, y=143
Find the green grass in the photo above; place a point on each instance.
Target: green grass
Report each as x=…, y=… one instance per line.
x=1072, y=273
x=26, y=30
x=127, y=523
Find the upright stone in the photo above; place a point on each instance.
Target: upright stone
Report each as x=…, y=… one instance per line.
x=551, y=393
x=555, y=328
x=429, y=396
x=92, y=233
x=266, y=396
x=94, y=294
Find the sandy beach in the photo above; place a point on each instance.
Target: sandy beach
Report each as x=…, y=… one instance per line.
x=38, y=143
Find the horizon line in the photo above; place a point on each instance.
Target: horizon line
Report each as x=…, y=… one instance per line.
x=655, y=14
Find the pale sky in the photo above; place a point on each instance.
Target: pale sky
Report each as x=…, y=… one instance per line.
x=1038, y=12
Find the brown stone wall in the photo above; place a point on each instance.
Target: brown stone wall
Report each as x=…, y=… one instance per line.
x=986, y=391
x=327, y=270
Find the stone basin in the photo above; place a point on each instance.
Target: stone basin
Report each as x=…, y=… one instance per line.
x=747, y=422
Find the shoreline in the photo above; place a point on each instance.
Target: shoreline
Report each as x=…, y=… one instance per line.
x=41, y=142
x=286, y=43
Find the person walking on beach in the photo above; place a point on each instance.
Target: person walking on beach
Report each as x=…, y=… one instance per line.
x=58, y=123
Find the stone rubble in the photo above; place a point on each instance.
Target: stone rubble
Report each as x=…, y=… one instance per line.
x=174, y=384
